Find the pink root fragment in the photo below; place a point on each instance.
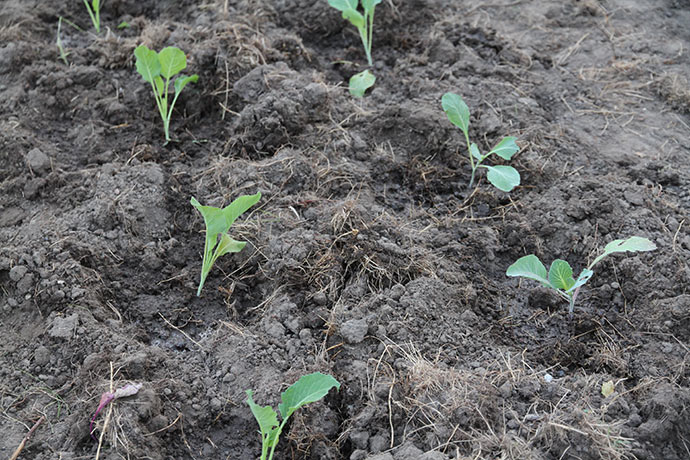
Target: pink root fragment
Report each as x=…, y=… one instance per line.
x=106, y=398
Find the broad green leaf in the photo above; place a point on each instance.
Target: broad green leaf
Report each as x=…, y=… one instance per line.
x=308, y=389
x=457, y=111
x=172, y=60
x=632, y=244
x=530, y=267
x=228, y=245
x=342, y=5
x=504, y=178
x=265, y=416
x=561, y=274
x=181, y=82
x=585, y=275
x=147, y=63
x=474, y=151
x=360, y=82
x=369, y=5
x=355, y=17
x=506, y=148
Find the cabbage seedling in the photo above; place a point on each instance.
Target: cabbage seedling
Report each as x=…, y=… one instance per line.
x=560, y=274
x=360, y=82
x=153, y=67
x=363, y=22
x=218, y=222
x=94, y=10
x=309, y=388
x=504, y=178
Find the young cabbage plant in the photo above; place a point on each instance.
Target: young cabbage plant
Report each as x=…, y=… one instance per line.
x=154, y=67
x=560, y=274
x=363, y=22
x=504, y=178
x=360, y=82
x=309, y=388
x=218, y=221
x=94, y=10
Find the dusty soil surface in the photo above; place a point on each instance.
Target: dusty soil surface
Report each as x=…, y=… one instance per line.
x=368, y=257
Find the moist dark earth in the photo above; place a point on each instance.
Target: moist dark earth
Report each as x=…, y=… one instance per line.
x=368, y=256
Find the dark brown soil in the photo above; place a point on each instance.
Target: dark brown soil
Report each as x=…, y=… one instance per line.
x=368, y=257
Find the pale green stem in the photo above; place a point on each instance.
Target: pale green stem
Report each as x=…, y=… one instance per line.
x=280, y=430
x=474, y=167
x=371, y=36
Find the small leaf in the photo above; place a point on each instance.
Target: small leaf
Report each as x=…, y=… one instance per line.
x=342, y=5
x=361, y=82
x=123, y=25
x=265, y=416
x=147, y=63
x=181, y=82
x=504, y=178
x=632, y=244
x=456, y=110
x=160, y=85
x=228, y=245
x=506, y=148
x=581, y=280
x=561, y=274
x=173, y=61
x=369, y=5
x=474, y=151
x=308, y=389
x=607, y=388
x=355, y=17
x=530, y=267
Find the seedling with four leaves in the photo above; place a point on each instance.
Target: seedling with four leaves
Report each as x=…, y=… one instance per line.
x=218, y=222
x=154, y=67
x=309, y=388
x=560, y=274
x=504, y=178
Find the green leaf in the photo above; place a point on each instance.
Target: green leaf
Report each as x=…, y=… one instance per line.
x=342, y=5
x=147, y=63
x=504, y=178
x=474, y=151
x=266, y=417
x=307, y=389
x=561, y=274
x=585, y=275
x=369, y=5
x=632, y=244
x=123, y=25
x=160, y=85
x=228, y=245
x=355, y=17
x=530, y=267
x=506, y=148
x=172, y=60
x=456, y=110
x=181, y=82
x=360, y=82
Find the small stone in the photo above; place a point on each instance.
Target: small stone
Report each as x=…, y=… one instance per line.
x=37, y=161
x=354, y=330
x=64, y=327
x=433, y=455
x=18, y=272
x=408, y=451
x=379, y=443
x=505, y=390
x=359, y=439
x=41, y=356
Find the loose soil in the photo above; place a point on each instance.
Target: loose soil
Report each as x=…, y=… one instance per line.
x=367, y=257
